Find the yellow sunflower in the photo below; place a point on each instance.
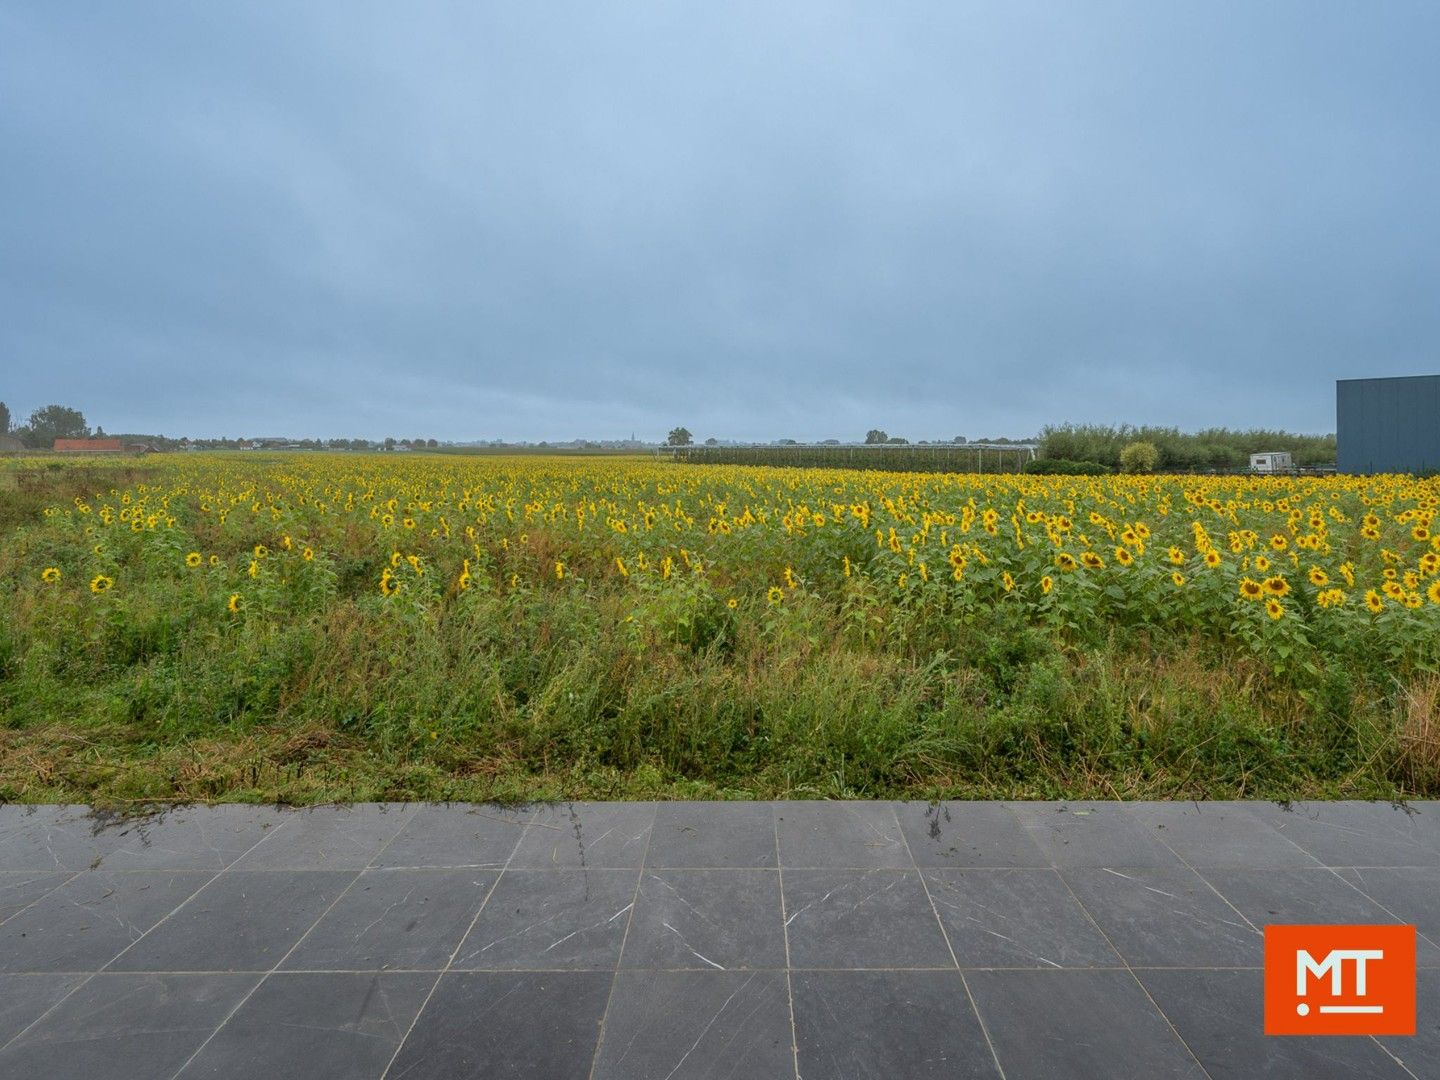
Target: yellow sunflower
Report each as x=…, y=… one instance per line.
x=1274, y=608
x=100, y=583
x=50, y=575
x=1277, y=586
x=194, y=559
x=1251, y=589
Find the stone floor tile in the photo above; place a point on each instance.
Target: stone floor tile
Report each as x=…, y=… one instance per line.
x=1016, y=918
x=125, y=1027
x=455, y=835
x=1411, y=894
x=697, y=1025
x=1420, y=1052
x=544, y=919
x=21, y=888
x=500, y=1024
x=1294, y=895
x=1218, y=833
x=25, y=998
x=585, y=834
x=88, y=921
x=1047, y=1024
x=1165, y=917
x=395, y=919
x=1221, y=1017
x=52, y=838
x=709, y=834
x=329, y=838
x=1360, y=833
x=187, y=838
x=840, y=834
x=877, y=918
x=246, y=920
x=1091, y=834
x=315, y=1027
x=866, y=1025
x=966, y=834
x=706, y=919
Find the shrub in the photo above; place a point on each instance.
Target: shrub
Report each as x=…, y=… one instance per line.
x=1139, y=457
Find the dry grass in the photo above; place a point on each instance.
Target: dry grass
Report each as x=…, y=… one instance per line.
x=1418, y=734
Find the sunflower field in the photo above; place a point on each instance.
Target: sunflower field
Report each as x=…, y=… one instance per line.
x=326, y=626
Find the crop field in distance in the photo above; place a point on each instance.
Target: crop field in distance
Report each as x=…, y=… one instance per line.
x=311, y=627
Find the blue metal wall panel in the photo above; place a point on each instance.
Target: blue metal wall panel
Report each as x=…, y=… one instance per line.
x=1388, y=425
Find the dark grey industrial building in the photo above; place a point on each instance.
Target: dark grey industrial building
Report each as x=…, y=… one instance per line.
x=1388, y=425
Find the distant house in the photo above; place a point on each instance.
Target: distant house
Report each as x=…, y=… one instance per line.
x=89, y=446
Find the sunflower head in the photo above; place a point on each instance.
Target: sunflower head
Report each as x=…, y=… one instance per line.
x=233, y=604
x=1046, y=584
x=1274, y=608
x=50, y=575
x=1251, y=589
x=193, y=560
x=100, y=583
x=1277, y=585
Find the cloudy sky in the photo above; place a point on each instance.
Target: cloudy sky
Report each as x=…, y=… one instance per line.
x=759, y=220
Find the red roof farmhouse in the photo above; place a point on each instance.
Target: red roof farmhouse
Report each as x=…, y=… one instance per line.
x=90, y=446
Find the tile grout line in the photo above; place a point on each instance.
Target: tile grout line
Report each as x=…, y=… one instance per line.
x=20, y=911
x=624, y=939
x=945, y=935
x=1131, y=972
x=1319, y=865
x=459, y=944
x=785, y=929
x=276, y=967
x=91, y=975
x=1397, y=918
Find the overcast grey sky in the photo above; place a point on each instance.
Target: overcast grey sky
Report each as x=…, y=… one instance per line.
x=759, y=220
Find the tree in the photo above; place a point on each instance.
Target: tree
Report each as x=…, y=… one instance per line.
x=679, y=437
x=55, y=422
x=1139, y=457
x=4, y=418
x=875, y=436
x=389, y=444
x=431, y=443
x=712, y=441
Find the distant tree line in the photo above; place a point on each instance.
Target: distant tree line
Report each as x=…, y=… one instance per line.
x=1177, y=451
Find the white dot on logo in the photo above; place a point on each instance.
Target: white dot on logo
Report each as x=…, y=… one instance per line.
x=1303, y=1009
